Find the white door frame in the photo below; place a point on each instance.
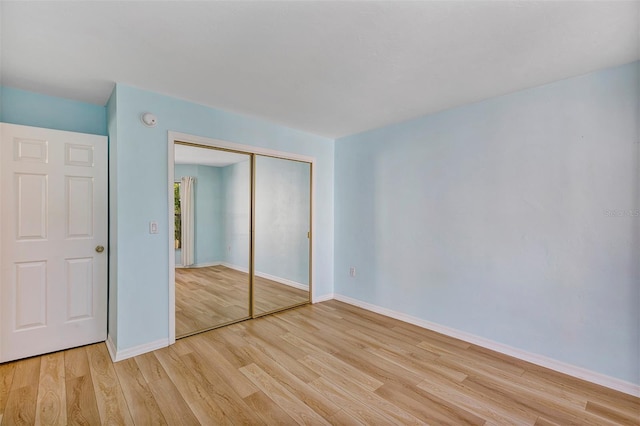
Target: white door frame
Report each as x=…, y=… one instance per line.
x=174, y=137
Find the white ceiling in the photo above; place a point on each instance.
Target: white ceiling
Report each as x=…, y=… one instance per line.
x=330, y=68
x=185, y=154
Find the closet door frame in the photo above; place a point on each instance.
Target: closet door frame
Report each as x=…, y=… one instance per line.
x=177, y=137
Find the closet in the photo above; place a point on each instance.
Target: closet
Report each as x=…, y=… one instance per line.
x=242, y=235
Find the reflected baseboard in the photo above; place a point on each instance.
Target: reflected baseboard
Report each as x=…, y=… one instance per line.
x=235, y=267
x=280, y=280
x=200, y=265
x=284, y=281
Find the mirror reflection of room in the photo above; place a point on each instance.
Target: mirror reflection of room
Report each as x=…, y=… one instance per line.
x=282, y=226
x=212, y=231
x=212, y=213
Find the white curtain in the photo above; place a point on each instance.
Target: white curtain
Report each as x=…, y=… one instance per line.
x=187, y=208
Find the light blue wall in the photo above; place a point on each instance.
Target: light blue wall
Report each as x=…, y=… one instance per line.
x=498, y=218
x=208, y=211
x=495, y=219
x=142, y=275
x=236, y=213
x=209, y=215
x=32, y=109
x=282, y=218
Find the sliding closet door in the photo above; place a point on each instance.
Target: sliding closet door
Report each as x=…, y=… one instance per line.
x=282, y=234
x=212, y=240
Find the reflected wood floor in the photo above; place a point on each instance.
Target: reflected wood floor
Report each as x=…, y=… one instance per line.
x=329, y=363
x=214, y=295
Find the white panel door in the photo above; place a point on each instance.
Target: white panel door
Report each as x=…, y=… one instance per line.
x=53, y=223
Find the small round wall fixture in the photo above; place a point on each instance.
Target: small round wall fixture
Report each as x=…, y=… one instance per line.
x=149, y=119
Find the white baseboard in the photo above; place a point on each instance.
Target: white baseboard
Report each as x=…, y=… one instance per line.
x=111, y=347
x=236, y=267
x=284, y=281
x=119, y=355
x=199, y=265
x=543, y=361
x=323, y=298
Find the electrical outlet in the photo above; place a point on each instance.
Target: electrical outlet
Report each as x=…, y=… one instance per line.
x=352, y=271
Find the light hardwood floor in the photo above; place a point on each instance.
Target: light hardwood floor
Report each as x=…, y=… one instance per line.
x=329, y=363
x=215, y=295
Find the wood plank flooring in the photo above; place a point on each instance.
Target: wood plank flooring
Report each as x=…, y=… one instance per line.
x=215, y=295
x=271, y=295
x=328, y=363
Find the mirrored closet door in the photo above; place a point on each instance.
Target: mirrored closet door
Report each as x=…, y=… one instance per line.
x=212, y=200
x=282, y=234
x=242, y=236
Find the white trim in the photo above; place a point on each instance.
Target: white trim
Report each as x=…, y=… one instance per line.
x=235, y=267
x=543, y=361
x=200, y=265
x=323, y=298
x=111, y=347
x=312, y=239
x=119, y=355
x=172, y=242
x=284, y=281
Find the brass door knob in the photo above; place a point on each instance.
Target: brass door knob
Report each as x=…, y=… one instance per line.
x=99, y=249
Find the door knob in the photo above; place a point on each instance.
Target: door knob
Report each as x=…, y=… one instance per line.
x=99, y=249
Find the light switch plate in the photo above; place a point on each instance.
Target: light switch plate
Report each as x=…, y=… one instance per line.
x=153, y=227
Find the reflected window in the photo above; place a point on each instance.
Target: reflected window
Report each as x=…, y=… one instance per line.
x=177, y=215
